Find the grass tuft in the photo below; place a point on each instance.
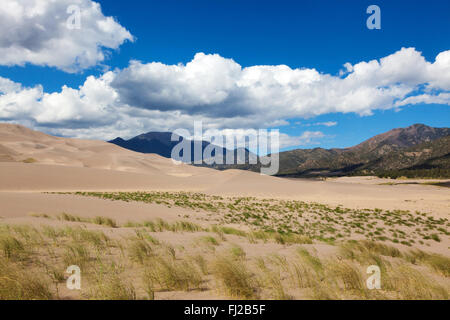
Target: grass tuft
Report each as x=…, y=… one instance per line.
x=235, y=278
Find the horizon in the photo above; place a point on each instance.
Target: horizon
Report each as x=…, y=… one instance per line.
x=281, y=149
x=289, y=148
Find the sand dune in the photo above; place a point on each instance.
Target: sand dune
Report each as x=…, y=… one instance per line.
x=64, y=164
x=18, y=144
x=32, y=164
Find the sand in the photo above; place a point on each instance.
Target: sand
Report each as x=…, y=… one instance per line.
x=54, y=164
x=64, y=164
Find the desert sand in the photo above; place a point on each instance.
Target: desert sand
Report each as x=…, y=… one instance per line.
x=34, y=166
x=61, y=164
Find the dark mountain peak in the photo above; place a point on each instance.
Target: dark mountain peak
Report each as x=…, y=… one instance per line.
x=155, y=135
x=415, y=145
x=154, y=138
x=402, y=138
x=417, y=128
x=150, y=142
x=412, y=145
x=117, y=140
x=162, y=144
x=418, y=125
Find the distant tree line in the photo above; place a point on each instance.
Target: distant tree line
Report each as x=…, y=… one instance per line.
x=415, y=173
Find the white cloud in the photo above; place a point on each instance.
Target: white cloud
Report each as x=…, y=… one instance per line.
x=155, y=96
x=213, y=85
x=7, y=85
x=35, y=31
x=305, y=139
x=441, y=98
x=198, y=86
x=326, y=124
x=91, y=104
x=285, y=140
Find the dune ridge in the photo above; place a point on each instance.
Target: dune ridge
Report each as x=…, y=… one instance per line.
x=18, y=144
x=65, y=164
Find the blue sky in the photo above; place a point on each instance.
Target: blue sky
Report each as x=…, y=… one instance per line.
x=319, y=35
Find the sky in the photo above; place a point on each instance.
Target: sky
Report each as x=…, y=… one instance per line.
x=312, y=69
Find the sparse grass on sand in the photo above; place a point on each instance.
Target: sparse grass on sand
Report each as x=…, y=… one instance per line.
x=295, y=222
x=29, y=160
x=136, y=261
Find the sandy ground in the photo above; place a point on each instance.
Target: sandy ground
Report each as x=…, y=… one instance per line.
x=58, y=164
x=19, y=206
x=83, y=165
x=358, y=192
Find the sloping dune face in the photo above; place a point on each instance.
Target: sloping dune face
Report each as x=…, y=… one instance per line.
x=34, y=161
x=20, y=144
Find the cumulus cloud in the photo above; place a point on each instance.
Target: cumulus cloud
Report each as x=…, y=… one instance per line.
x=202, y=86
x=326, y=124
x=221, y=137
x=92, y=103
x=305, y=139
x=223, y=94
x=213, y=85
x=36, y=32
x=441, y=98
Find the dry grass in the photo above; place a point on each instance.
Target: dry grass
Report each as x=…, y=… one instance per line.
x=273, y=281
x=167, y=273
x=76, y=254
x=135, y=263
x=12, y=248
x=404, y=282
x=17, y=283
x=139, y=251
x=297, y=222
x=109, y=284
x=29, y=160
x=234, y=277
x=439, y=263
x=160, y=225
x=105, y=222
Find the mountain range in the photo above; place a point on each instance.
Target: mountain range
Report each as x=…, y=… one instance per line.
x=397, y=149
x=150, y=142
x=418, y=148
x=161, y=143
